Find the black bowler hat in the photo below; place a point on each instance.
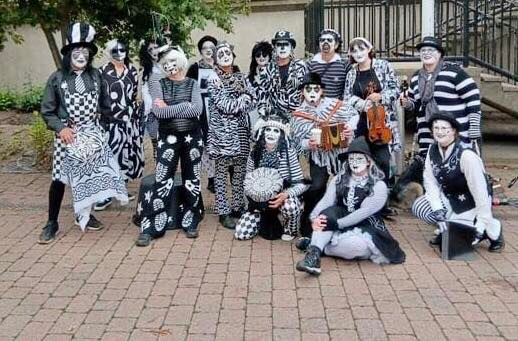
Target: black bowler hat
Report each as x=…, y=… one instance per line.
x=445, y=116
x=204, y=39
x=358, y=145
x=431, y=42
x=312, y=78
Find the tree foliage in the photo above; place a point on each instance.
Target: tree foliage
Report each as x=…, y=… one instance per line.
x=124, y=19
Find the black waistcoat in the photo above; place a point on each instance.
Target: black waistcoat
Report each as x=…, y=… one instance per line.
x=172, y=96
x=452, y=181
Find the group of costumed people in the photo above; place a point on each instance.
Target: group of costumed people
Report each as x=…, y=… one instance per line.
x=255, y=130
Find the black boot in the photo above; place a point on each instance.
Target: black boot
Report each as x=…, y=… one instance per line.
x=143, y=239
x=437, y=240
x=210, y=186
x=303, y=243
x=311, y=262
x=497, y=245
x=49, y=232
x=227, y=221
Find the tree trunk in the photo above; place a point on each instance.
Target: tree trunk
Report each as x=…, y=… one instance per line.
x=51, y=41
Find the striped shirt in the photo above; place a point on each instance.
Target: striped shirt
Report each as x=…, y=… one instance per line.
x=332, y=74
x=183, y=106
x=454, y=92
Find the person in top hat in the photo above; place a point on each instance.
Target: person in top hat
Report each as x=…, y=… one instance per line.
x=318, y=109
x=328, y=63
x=456, y=186
x=272, y=150
x=443, y=86
x=279, y=83
x=347, y=222
x=75, y=100
x=202, y=71
x=232, y=97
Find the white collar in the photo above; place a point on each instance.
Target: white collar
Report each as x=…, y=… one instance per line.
x=318, y=58
x=446, y=154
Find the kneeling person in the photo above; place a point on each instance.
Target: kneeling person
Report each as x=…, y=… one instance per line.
x=272, y=155
x=347, y=222
x=456, y=187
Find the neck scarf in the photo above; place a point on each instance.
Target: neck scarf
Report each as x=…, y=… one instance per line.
x=426, y=86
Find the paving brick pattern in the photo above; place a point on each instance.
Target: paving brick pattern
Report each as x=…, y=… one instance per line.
x=98, y=285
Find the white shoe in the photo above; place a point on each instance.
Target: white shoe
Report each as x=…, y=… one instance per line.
x=287, y=237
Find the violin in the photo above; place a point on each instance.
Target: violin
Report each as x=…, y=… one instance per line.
x=379, y=133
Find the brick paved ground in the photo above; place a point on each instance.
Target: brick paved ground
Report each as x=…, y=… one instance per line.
x=98, y=285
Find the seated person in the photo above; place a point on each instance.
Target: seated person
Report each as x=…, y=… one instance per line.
x=456, y=187
x=347, y=222
x=272, y=151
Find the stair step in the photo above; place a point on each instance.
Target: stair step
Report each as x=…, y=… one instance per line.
x=506, y=87
x=486, y=77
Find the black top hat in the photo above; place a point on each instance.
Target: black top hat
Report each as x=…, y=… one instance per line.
x=446, y=116
x=80, y=35
x=311, y=78
x=358, y=145
x=432, y=42
x=284, y=35
x=206, y=38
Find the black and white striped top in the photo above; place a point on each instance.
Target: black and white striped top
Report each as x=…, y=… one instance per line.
x=332, y=74
x=184, y=107
x=455, y=92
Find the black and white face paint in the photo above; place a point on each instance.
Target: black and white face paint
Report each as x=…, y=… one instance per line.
x=327, y=43
x=224, y=56
x=152, y=50
x=118, y=52
x=358, y=163
x=79, y=57
x=443, y=133
x=360, y=53
x=272, y=135
x=312, y=93
x=170, y=67
x=207, y=50
x=262, y=59
x=429, y=55
x=283, y=49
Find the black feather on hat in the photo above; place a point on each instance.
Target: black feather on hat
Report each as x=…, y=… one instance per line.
x=358, y=145
x=80, y=35
x=312, y=78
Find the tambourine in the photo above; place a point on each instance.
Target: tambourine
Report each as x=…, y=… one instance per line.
x=262, y=184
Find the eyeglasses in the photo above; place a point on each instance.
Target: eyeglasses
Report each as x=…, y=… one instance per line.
x=442, y=129
x=428, y=50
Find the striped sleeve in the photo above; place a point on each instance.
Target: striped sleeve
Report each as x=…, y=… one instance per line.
x=470, y=94
x=227, y=104
x=181, y=110
x=297, y=177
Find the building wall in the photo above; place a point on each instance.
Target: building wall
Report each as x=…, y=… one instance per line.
x=31, y=62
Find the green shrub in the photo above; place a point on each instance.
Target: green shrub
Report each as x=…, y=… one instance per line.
x=14, y=146
x=41, y=141
x=7, y=99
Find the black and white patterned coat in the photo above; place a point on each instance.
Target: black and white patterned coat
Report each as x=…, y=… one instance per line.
x=273, y=95
x=389, y=94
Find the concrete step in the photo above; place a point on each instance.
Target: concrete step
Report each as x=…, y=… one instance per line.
x=486, y=77
x=506, y=87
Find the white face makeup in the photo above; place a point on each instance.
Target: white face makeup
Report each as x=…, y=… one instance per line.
x=207, y=50
x=272, y=135
x=79, y=57
x=360, y=53
x=429, y=55
x=327, y=43
x=118, y=52
x=152, y=49
x=224, y=56
x=262, y=59
x=358, y=163
x=312, y=93
x=283, y=49
x=170, y=67
x=443, y=132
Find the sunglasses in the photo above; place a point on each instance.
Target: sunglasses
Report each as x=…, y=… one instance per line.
x=260, y=54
